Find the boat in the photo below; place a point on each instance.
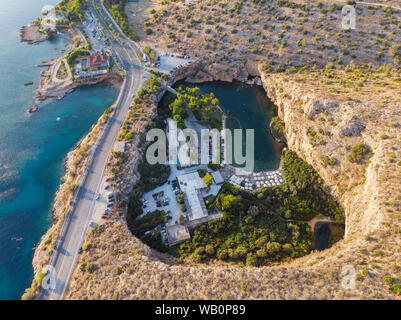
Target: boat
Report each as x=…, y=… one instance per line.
x=28, y=83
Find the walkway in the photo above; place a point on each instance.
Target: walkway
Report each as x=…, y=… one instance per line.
x=55, y=70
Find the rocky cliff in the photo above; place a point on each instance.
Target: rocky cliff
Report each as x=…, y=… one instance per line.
x=318, y=127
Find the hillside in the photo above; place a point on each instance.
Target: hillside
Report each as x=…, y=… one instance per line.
x=339, y=96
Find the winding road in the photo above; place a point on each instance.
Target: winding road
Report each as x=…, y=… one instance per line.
x=75, y=225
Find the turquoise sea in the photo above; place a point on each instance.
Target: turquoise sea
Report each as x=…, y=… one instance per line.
x=33, y=147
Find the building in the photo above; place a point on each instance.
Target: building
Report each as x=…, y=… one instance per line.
x=191, y=184
x=218, y=179
x=99, y=61
x=177, y=233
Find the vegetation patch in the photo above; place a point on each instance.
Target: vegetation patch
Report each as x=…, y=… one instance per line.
x=265, y=226
x=116, y=9
x=204, y=107
x=358, y=153
x=140, y=226
x=277, y=128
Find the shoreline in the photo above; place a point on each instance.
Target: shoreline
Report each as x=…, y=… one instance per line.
x=75, y=161
x=149, y=259
x=149, y=255
x=29, y=34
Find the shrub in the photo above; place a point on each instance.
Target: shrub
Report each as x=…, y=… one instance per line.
x=358, y=153
x=327, y=161
x=277, y=127
x=396, y=288
x=86, y=246
x=388, y=279
x=90, y=267
x=208, y=179
x=251, y=260
x=195, y=258
x=214, y=166
x=40, y=277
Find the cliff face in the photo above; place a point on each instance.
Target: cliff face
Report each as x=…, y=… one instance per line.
x=363, y=204
x=362, y=189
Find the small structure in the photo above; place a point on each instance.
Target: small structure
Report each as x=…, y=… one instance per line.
x=218, y=179
x=99, y=61
x=191, y=184
x=177, y=233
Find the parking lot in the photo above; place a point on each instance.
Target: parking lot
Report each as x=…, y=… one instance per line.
x=168, y=63
x=100, y=214
x=97, y=39
x=169, y=197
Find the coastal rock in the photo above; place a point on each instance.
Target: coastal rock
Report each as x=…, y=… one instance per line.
x=33, y=109
x=30, y=35
x=311, y=275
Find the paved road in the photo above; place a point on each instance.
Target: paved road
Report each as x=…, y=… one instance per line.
x=76, y=224
x=55, y=69
x=378, y=4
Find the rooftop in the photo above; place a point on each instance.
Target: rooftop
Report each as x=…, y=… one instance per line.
x=97, y=61
x=177, y=233
x=190, y=184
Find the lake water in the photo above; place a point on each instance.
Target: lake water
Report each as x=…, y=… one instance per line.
x=322, y=236
x=247, y=107
x=33, y=147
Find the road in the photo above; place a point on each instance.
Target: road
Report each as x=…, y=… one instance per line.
x=55, y=69
x=76, y=224
x=378, y=4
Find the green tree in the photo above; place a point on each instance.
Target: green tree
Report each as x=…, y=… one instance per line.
x=251, y=260
x=208, y=179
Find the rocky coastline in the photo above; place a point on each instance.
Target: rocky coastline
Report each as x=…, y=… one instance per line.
x=311, y=275
x=306, y=272
x=30, y=35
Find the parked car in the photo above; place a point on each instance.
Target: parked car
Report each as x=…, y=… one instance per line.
x=110, y=205
x=108, y=179
x=80, y=250
x=104, y=217
x=107, y=211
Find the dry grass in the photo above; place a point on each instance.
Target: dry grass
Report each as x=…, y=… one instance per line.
x=326, y=102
